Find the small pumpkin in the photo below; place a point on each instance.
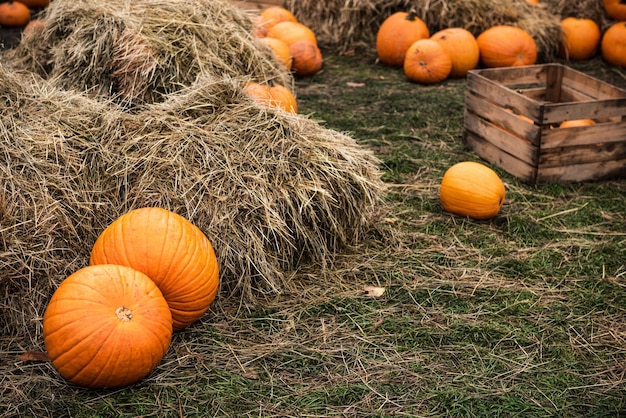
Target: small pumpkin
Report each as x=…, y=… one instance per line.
x=576, y=122
x=307, y=58
x=35, y=25
x=613, y=45
x=396, y=34
x=290, y=32
x=506, y=46
x=615, y=9
x=14, y=14
x=280, y=51
x=272, y=96
x=35, y=4
x=472, y=189
x=106, y=326
x=427, y=62
x=270, y=16
x=170, y=250
x=462, y=48
x=581, y=38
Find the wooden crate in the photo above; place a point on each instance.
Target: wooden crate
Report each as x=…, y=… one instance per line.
x=538, y=150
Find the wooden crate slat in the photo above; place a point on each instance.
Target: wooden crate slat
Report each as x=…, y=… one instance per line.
x=582, y=172
x=501, y=95
x=591, y=153
x=590, y=86
x=610, y=132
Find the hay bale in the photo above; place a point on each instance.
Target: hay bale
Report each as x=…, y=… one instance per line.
x=141, y=51
x=348, y=25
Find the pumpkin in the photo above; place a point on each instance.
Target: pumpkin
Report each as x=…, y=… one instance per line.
x=427, y=62
x=290, y=32
x=35, y=25
x=533, y=2
x=270, y=16
x=272, y=96
x=462, y=48
x=576, y=122
x=14, y=14
x=613, y=45
x=506, y=46
x=615, y=9
x=396, y=34
x=307, y=58
x=35, y=4
x=472, y=189
x=581, y=38
x=170, y=250
x=280, y=50
x=106, y=326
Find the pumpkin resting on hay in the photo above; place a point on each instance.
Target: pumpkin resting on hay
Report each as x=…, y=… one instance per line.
x=506, y=46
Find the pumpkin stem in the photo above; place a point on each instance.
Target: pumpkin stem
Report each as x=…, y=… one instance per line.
x=124, y=314
x=412, y=15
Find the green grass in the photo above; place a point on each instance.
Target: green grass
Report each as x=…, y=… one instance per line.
x=523, y=315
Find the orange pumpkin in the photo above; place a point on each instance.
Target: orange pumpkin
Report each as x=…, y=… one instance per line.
x=270, y=16
x=273, y=96
x=613, y=45
x=396, y=34
x=290, y=32
x=533, y=2
x=427, y=62
x=35, y=25
x=35, y=4
x=280, y=50
x=106, y=326
x=462, y=47
x=581, y=38
x=307, y=58
x=576, y=122
x=472, y=189
x=14, y=14
x=506, y=46
x=615, y=9
x=170, y=250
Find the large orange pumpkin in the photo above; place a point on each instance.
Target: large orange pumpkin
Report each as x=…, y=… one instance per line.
x=14, y=14
x=472, y=189
x=613, y=44
x=581, y=38
x=280, y=50
x=106, y=326
x=307, y=58
x=506, y=46
x=427, y=62
x=615, y=9
x=170, y=250
x=290, y=32
x=396, y=34
x=462, y=47
x=269, y=17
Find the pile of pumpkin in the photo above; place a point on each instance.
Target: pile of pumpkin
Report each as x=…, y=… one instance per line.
x=151, y=272
x=17, y=14
x=403, y=40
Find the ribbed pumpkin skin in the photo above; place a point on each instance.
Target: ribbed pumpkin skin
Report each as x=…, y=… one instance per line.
x=462, y=47
x=89, y=344
x=506, y=46
x=271, y=16
x=581, y=38
x=472, y=189
x=283, y=97
x=616, y=9
x=290, y=32
x=427, y=62
x=613, y=45
x=307, y=58
x=170, y=250
x=396, y=34
x=280, y=51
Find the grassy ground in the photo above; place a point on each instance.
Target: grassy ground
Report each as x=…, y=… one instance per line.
x=523, y=315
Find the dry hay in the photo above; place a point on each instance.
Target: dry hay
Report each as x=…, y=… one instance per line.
x=350, y=24
x=272, y=190
x=142, y=51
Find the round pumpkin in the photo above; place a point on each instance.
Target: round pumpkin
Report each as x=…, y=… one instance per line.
x=427, y=62
x=581, y=38
x=259, y=92
x=284, y=98
x=613, y=45
x=35, y=4
x=35, y=26
x=472, y=189
x=615, y=9
x=170, y=250
x=14, y=14
x=106, y=326
x=307, y=58
x=462, y=48
x=396, y=34
x=290, y=32
x=576, y=122
x=506, y=46
x=280, y=50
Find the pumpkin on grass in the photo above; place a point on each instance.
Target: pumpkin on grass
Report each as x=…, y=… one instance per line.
x=472, y=189
x=506, y=46
x=427, y=62
x=396, y=34
x=615, y=9
x=581, y=38
x=14, y=14
x=462, y=48
x=106, y=326
x=170, y=250
x=307, y=58
x=613, y=45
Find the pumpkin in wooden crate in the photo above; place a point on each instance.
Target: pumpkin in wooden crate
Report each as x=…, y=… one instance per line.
x=396, y=34
x=14, y=14
x=472, y=189
x=462, y=47
x=271, y=16
x=576, y=122
x=613, y=45
x=581, y=38
x=615, y=9
x=307, y=58
x=427, y=62
x=170, y=250
x=106, y=326
x=506, y=46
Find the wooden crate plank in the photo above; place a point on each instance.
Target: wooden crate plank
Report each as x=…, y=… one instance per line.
x=604, y=170
x=592, y=153
x=591, y=86
x=514, y=76
x=502, y=96
x=558, y=112
x=608, y=132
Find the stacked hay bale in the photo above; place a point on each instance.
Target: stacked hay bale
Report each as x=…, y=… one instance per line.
x=116, y=105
